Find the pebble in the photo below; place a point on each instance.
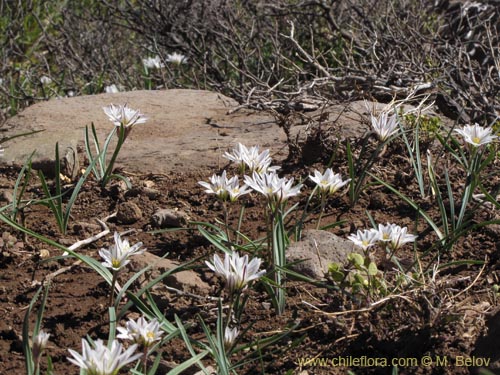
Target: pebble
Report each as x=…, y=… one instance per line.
x=128, y=213
x=168, y=218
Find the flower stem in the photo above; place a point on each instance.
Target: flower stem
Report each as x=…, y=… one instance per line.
x=322, y=209
x=122, y=134
x=145, y=360
x=226, y=219
x=113, y=283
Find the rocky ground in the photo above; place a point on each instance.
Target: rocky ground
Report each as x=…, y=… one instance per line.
x=449, y=316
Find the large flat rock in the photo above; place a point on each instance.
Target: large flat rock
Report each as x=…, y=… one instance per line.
x=187, y=129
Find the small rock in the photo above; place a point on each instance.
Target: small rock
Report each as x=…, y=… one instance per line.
x=148, y=184
x=84, y=229
x=117, y=189
x=187, y=280
x=150, y=192
x=316, y=250
x=128, y=213
x=70, y=164
x=6, y=196
x=143, y=190
x=168, y=218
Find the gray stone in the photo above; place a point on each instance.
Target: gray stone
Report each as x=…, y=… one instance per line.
x=6, y=196
x=168, y=218
x=182, y=126
x=128, y=213
x=317, y=249
x=187, y=281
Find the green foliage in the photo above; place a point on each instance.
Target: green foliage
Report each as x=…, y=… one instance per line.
x=359, y=168
x=429, y=125
x=33, y=364
x=102, y=169
x=360, y=277
x=55, y=202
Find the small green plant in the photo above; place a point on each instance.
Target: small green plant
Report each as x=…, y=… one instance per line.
x=385, y=128
x=327, y=184
x=18, y=204
x=124, y=119
x=33, y=348
x=429, y=125
x=473, y=159
x=360, y=277
x=117, y=257
x=55, y=202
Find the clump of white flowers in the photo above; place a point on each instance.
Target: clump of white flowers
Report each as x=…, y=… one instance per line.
x=276, y=189
x=391, y=235
x=236, y=270
x=250, y=159
x=384, y=125
x=153, y=63
x=224, y=188
x=98, y=359
x=328, y=182
x=141, y=332
x=176, y=58
x=118, y=256
x=125, y=116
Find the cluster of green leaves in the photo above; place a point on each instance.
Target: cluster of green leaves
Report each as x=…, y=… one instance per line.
x=428, y=124
x=360, y=277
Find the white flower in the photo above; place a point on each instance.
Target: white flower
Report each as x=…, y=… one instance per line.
x=251, y=158
x=258, y=162
x=385, y=231
x=39, y=344
x=45, y=80
x=237, y=155
x=384, y=125
x=230, y=335
x=153, y=62
x=399, y=237
x=236, y=270
x=365, y=239
x=141, y=332
x=223, y=188
x=476, y=135
x=276, y=189
x=99, y=360
x=176, y=58
x=117, y=255
x=123, y=115
x=111, y=89
x=328, y=182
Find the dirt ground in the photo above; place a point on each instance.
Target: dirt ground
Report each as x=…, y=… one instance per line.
x=445, y=317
